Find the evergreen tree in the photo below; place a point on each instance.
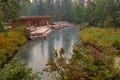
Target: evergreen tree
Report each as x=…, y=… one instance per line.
x=50, y=7
x=9, y=10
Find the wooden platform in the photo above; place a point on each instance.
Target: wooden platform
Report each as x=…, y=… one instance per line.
x=42, y=32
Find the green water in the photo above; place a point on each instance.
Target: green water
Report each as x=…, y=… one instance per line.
x=36, y=53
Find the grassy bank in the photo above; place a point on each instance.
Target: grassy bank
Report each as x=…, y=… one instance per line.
x=104, y=39
x=11, y=68
x=10, y=41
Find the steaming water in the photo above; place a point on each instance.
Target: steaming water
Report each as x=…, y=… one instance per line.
x=36, y=53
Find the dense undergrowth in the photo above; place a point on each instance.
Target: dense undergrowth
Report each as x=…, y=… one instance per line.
x=95, y=59
x=10, y=41
x=16, y=70
x=85, y=64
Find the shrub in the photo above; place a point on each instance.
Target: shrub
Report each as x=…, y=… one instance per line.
x=108, y=22
x=17, y=71
x=11, y=42
x=3, y=57
x=84, y=64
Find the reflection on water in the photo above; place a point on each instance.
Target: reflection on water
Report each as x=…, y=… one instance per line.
x=36, y=53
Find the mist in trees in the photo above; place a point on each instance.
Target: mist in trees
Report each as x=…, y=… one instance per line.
x=9, y=10
x=94, y=12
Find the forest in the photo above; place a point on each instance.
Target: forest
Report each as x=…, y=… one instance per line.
x=96, y=58
x=95, y=12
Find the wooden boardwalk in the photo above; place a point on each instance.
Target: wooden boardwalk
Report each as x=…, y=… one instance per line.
x=42, y=32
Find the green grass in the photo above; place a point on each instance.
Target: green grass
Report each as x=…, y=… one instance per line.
x=101, y=37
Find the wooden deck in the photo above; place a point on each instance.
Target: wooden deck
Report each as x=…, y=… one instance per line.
x=41, y=29
x=42, y=32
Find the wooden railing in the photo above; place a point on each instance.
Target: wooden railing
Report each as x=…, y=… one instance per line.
x=35, y=21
